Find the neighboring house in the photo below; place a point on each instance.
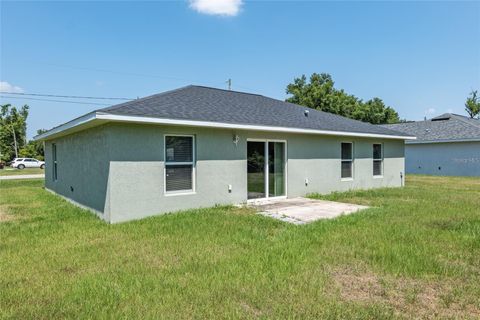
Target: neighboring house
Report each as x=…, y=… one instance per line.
x=198, y=147
x=446, y=145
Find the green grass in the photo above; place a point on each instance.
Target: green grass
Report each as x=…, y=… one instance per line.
x=415, y=253
x=14, y=172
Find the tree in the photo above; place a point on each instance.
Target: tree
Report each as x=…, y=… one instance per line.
x=13, y=129
x=320, y=93
x=472, y=105
x=375, y=111
x=33, y=149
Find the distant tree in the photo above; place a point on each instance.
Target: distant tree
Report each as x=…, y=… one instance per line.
x=28, y=151
x=320, y=93
x=375, y=111
x=472, y=105
x=13, y=128
x=33, y=149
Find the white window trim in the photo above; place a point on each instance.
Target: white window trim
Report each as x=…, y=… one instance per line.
x=192, y=163
x=381, y=159
x=352, y=160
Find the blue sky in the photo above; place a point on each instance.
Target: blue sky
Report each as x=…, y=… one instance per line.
x=422, y=58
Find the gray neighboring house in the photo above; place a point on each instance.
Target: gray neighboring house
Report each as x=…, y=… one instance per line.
x=446, y=145
x=198, y=146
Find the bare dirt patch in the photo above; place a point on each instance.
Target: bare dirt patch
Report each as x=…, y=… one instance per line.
x=408, y=297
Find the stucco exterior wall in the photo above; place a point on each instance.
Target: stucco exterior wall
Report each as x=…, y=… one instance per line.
x=446, y=159
x=131, y=158
x=136, y=179
x=82, y=168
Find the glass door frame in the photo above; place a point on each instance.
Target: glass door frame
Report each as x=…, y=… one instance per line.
x=267, y=170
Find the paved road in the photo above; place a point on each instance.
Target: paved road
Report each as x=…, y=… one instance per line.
x=25, y=176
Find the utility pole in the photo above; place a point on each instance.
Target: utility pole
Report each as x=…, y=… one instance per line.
x=15, y=141
x=229, y=81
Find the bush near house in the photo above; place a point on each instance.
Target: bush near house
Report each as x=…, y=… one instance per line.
x=414, y=254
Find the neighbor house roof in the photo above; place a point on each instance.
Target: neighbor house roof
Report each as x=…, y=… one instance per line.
x=447, y=127
x=210, y=107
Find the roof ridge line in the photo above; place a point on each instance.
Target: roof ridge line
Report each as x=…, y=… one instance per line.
x=227, y=90
x=145, y=98
x=467, y=120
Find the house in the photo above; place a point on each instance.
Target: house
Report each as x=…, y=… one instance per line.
x=198, y=146
x=446, y=145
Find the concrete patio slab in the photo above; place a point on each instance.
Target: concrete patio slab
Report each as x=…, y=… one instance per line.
x=303, y=210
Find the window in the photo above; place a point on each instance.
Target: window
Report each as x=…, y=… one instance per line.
x=54, y=158
x=179, y=159
x=377, y=159
x=347, y=160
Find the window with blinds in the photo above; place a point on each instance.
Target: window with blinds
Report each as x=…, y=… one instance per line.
x=377, y=159
x=347, y=160
x=179, y=159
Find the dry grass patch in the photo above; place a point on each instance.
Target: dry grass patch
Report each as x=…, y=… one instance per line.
x=250, y=310
x=407, y=297
x=4, y=215
x=15, y=211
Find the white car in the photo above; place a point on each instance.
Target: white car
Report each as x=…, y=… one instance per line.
x=22, y=163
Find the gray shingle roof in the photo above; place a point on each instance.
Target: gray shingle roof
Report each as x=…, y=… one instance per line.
x=199, y=103
x=445, y=127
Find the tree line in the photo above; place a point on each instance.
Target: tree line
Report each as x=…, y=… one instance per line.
x=13, y=135
x=319, y=93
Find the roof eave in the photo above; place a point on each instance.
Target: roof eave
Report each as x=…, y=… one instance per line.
x=96, y=118
x=444, y=141
x=75, y=125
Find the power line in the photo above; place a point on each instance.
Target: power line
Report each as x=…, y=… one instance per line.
x=144, y=75
x=135, y=74
x=128, y=73
x=63, y=96
x=62, y=101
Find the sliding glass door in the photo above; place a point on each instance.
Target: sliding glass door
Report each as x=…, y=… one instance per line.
x=256, y=169
x=265, y=169
x=276, y=169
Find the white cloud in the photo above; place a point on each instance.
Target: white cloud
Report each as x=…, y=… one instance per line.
x=217, y=7
x=430, y=111
x=7, y=87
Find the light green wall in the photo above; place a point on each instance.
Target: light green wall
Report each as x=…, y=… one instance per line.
x=131, y=182
x=136, y=179
x=82, y=165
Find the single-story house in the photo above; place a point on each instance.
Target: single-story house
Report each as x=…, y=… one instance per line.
x=198, y=146
x=446, y=145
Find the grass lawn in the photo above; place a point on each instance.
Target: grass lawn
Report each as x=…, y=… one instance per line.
x=416, y=253
x=13, y=172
